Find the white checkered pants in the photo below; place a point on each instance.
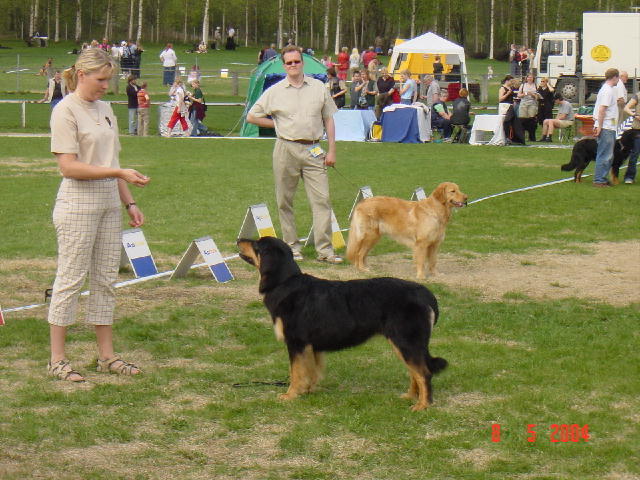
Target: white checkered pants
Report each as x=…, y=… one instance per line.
x=87, y=219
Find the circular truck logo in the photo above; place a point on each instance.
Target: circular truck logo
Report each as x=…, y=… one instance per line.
x=601, y=53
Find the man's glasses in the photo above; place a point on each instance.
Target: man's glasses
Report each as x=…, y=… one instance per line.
x=293, y=62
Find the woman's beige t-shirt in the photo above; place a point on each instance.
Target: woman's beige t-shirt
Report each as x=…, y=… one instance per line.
x=88, y=129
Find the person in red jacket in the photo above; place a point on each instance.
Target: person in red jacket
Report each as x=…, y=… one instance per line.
x=343, y=63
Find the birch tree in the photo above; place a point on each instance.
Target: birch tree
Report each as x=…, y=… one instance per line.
x=157, y=21
x=246, y=22
x=56, y=38
x=205, y=23
x=295, y=22
x=107, y=23
x=140, y=8
x=491, y=29
x=325, y=38
x=30, y=19
x=131, y=17
x=525, y=23
x=78, y=21
x=186, y=17
x=413, y=18
x=280, y=23
x=311, y=26
x=36, y=16
x=338, y=11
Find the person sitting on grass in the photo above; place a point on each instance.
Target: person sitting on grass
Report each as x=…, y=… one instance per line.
x=564, y=119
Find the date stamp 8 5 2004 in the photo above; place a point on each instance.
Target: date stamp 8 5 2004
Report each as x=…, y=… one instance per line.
x=554, y=433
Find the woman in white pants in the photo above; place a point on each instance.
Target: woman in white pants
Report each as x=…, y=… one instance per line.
x=86, y=216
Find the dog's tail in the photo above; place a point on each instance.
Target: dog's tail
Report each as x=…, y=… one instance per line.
x=572, y=165
x=436, y=364
x=355, y=235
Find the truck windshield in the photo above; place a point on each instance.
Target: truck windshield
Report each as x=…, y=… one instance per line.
x=549, y=47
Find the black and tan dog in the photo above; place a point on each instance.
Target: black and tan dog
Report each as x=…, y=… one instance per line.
x=313, y=316
x=584, y=151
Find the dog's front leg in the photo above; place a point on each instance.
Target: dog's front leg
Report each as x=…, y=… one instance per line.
x=420, y=258
x=301, y=371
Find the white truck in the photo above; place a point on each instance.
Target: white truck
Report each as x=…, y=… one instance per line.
x=607, y=40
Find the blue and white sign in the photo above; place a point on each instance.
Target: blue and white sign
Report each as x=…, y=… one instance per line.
x=137, y=251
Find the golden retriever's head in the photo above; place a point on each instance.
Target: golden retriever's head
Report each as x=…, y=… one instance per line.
x=272, y=257
x=449, y=194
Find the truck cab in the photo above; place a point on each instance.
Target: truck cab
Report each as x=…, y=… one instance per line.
x=558, y=59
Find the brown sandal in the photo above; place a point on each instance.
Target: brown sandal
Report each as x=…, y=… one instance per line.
x=118, y=366
x=62, y=371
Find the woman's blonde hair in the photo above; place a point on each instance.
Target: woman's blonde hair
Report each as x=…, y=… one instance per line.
x=354, y=51
x=89, y=61
x=406, y=72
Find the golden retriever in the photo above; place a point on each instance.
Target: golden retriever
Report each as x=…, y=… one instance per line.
x=419, y=225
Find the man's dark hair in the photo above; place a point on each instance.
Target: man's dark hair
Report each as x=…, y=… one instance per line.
x=558, y=96
x=332, y=71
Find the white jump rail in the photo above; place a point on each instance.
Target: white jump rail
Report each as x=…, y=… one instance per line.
x=23, y=106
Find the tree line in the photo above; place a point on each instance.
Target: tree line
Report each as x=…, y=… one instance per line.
x=483, y=27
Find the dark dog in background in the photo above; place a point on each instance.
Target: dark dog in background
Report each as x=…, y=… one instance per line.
x=313, y=316
x=584, y=151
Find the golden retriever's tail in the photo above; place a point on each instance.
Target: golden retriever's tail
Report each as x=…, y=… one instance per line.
x=355, y=235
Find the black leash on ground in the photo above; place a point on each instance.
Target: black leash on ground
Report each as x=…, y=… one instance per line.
x=277, y=383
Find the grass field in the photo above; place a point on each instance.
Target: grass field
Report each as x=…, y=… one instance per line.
x=517, y=358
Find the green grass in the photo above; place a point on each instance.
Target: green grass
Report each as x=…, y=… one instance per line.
x=514, y=362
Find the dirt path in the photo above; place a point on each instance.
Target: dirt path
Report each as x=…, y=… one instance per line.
x=611, y=274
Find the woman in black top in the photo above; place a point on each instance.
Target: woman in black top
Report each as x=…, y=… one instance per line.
x=132, y=104
x=513, y=130
x=545, y=108
x=386, y=86
x=438, y=68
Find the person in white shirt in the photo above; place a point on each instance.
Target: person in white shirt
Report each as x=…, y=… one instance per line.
x=605, y=116
x=621, y=94
x=169, y=61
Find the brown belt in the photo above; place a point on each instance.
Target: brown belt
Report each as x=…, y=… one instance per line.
x=302, y=141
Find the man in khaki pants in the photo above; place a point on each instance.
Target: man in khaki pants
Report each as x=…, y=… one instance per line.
x=301, y=109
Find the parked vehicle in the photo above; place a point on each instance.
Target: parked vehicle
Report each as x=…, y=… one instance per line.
x=606, y=40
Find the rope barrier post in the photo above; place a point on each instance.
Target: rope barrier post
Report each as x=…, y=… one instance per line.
x=23, y=114
x=234, y=82
x=484, y=89
x=17, y=72
x=581, y=90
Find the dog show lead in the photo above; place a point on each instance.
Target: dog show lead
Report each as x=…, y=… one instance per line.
x=87, y=216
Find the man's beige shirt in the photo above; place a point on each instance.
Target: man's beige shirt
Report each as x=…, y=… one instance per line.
x=88, y=129
x=298, y=113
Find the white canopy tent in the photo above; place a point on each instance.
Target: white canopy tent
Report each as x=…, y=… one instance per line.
x=432, y=44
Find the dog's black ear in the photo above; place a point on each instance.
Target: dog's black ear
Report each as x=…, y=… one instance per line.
x=276, y=263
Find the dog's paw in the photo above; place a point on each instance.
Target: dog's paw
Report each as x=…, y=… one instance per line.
x=288, y=396
x=419, y=406
x=409, y=396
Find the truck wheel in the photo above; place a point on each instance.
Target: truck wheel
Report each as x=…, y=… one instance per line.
x=569, y=89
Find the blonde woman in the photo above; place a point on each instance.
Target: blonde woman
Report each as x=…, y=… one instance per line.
x=408, y=88
x=354, y=61
x=86, y=216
